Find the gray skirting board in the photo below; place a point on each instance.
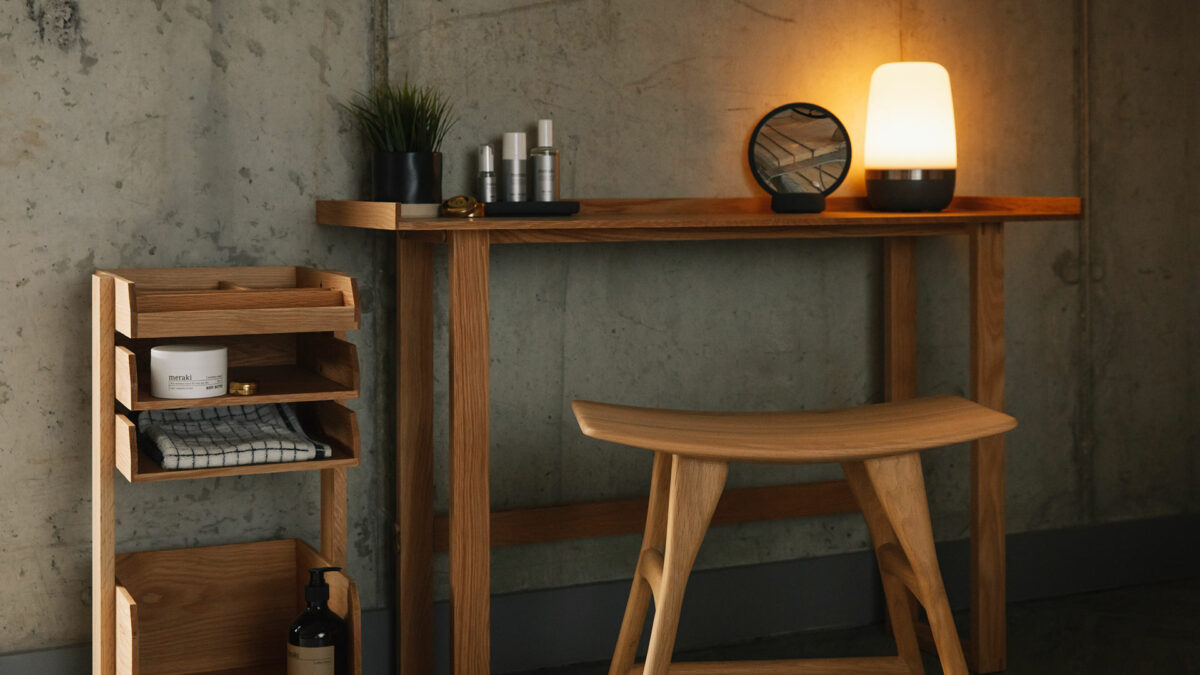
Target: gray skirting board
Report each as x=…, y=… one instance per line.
x=578, y=624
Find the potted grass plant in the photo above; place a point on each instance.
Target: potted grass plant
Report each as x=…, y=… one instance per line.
x=405, y=126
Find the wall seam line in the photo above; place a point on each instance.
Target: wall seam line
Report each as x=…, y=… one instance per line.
x=1085, y=429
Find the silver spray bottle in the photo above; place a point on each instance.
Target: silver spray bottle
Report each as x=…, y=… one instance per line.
x=544, y=158
x=486, y=185
x=512, y=168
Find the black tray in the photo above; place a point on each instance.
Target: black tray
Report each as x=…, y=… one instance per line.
x=531, y=209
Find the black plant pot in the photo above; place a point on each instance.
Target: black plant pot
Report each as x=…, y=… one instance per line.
x=407, y=177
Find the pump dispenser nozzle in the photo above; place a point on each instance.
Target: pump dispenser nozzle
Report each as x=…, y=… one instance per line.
x=317, y=590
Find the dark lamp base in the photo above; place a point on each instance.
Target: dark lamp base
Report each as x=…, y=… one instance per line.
x=910, y=189
x=798, y=202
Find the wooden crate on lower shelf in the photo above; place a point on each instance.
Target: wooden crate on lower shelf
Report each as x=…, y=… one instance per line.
x=220, y=609
x=288, y=368
x=327, y=421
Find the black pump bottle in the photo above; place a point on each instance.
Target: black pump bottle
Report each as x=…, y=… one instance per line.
x=317, y=639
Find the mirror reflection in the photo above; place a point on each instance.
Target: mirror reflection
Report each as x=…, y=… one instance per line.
x=800, y=148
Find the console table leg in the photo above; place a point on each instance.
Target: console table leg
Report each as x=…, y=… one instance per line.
x=986, y=650
x=900, y=334
x=470, y=549
x=899, y=318
x=414, y=457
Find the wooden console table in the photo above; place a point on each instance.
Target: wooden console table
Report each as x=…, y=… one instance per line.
x=471, y=529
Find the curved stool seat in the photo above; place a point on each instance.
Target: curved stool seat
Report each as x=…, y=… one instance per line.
x=795, y=437
x=878, y=448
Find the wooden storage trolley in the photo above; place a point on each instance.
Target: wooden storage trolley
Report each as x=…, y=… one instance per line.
x=218, y=609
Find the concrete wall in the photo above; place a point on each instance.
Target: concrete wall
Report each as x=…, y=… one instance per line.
x=658, y=99
x=161, y=134
x=199, y=133
x=1145, y=342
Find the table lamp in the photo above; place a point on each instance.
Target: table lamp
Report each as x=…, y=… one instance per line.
x=910, y=150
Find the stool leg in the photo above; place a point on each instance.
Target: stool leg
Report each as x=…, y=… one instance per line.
x=900, y=487
x=900, y=608
x=696, y=487
x=639, y=595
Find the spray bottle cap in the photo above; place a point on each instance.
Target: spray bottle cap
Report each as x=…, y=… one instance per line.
x=487, y=158
x=317, y=590
x=514, y=145
x=545, y=133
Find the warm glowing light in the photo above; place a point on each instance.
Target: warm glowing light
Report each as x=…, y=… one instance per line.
x=910, y=118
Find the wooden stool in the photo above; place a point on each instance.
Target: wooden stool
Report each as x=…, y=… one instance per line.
x=877, y=446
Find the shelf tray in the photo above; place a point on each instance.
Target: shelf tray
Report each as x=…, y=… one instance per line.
x=220, y=609
x=198, y=301
x=327, y=421
x=288, y=369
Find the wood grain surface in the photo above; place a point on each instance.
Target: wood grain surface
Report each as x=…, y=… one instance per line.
x=896, y=587
x=653, y=543
x=795, y=437
x=244, y=321
x=127, y=633
x=695, y=489
x=899, y=485
x=103, y=461
x=370, y=215
x=414, y=457
x=178, y=301
x=205, y=278
x=333, y=516
x=988, y=618
x=470, y=551
x=840, y=231
x=241, y=597
x=848, y=666
x=654, y=214
x=899, y=318
x=197, y=301
x=625, y=516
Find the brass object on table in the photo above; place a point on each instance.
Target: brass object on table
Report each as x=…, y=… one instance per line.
x=462, y=206
x=244, y=388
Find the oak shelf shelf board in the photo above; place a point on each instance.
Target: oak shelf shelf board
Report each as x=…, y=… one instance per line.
x=727, y=218
x=325, y=421
x=276, y=384
x=219, y=609
x=204, y=301
x=287, y=368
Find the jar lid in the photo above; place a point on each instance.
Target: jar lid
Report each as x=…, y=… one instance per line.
x=188, y=351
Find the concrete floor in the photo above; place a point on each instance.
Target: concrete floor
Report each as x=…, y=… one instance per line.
x=1147, y=629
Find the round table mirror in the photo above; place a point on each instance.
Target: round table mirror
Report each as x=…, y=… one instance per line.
x=799, y=153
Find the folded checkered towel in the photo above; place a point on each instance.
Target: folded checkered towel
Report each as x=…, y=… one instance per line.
x=199, y=438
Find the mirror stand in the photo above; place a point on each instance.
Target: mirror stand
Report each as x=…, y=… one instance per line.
x=798, y=202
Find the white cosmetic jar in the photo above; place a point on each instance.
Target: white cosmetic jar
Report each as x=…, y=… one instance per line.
x=188, y=371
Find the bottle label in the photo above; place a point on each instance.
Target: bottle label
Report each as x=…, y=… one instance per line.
x=309, y=660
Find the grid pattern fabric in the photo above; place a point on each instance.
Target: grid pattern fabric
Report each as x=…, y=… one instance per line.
x=201, y=438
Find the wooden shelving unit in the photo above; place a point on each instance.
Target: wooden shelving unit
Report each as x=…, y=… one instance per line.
x=218, y=609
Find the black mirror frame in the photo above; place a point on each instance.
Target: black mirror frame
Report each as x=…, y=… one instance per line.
x=798, y=202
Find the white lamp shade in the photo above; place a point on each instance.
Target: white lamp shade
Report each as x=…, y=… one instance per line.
x=910, y=118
